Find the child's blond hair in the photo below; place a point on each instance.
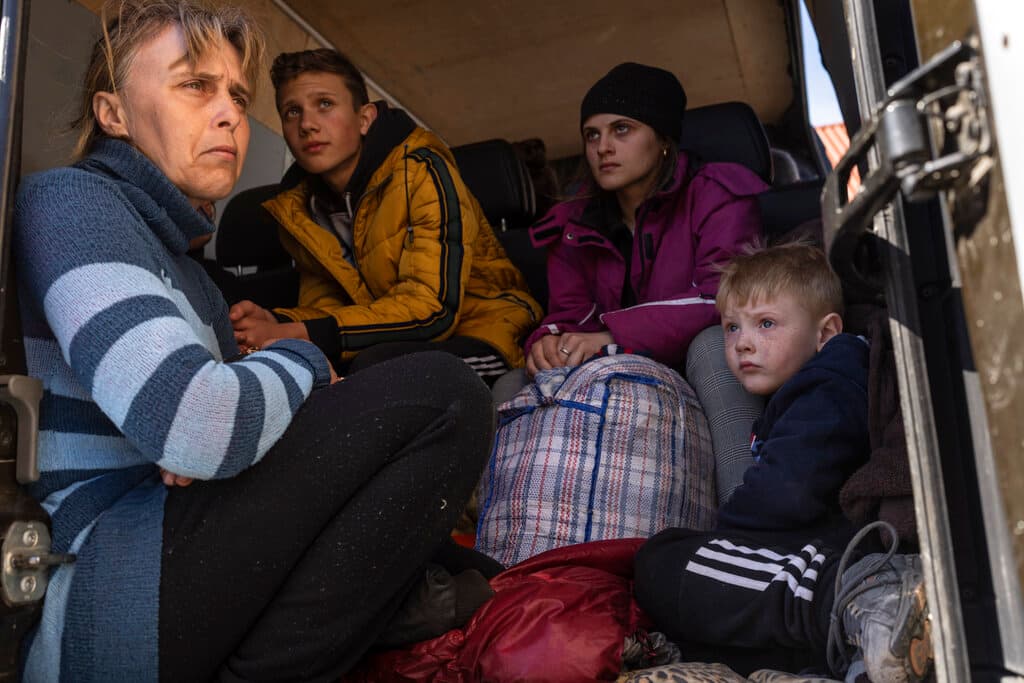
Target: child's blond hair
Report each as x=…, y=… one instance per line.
x=798, y=269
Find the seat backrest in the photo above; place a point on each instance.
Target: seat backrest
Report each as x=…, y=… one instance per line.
x=784, y=167
x=786, y=208
x=731, y=131
x=728, y=131
x=248, y=245
x=247, y=233
x=500, y=181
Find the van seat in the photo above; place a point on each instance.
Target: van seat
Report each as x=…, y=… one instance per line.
x=788, y=207
x=786, y=171
x=247, y=245
x=731, y=131
x=499, y=179
x=728, y=131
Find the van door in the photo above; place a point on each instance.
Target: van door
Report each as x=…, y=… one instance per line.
x=935, y=208
x=24, y=533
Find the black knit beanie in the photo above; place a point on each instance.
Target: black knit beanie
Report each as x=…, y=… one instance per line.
x=645, y=93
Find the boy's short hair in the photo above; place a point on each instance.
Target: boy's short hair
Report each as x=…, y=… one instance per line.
x=796, y=268
x=289, y=65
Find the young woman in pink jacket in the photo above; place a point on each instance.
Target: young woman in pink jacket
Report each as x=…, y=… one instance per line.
x=633, y=261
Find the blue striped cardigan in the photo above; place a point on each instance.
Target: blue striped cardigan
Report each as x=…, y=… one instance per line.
x=129, y=337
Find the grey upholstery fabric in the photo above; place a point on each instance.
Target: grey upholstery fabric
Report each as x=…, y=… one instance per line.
x=508, y=385
x=730, y=410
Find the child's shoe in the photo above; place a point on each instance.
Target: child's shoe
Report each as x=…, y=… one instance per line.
x=881, y=607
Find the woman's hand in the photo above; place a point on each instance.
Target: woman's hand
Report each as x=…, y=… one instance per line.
x=576, y=347
x=555, y=351
x=172, y=479
x=544, y=354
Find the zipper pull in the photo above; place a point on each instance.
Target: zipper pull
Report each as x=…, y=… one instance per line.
x=348, y=205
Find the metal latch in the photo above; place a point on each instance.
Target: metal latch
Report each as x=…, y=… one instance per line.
x=23, y=394
x=941, y=102
x=26, y=562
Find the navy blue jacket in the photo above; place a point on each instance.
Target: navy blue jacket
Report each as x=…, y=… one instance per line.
x=812, y=436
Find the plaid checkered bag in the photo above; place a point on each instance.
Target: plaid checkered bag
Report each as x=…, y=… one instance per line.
x=617, y=447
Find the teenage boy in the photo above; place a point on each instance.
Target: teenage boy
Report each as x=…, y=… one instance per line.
x=765, y=580
x=394, y=253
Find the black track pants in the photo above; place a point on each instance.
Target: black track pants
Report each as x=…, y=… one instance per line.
x=290, y=570
x=740, y=590
x=480, y=356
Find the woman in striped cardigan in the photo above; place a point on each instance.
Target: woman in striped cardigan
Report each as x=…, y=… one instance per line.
x=315, y=504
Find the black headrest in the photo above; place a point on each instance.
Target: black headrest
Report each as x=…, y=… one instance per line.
x=729, y=131
x=247, y=233
x=499, y=180
x=785, y=170
x=785, y=208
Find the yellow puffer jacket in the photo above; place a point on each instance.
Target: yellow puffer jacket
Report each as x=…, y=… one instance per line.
x=430, y=266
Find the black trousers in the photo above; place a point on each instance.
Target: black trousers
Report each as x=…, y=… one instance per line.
x=290, y=570
x=748, y=599
x=484, y=360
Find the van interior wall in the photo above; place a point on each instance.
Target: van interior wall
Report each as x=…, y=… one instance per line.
x=482, y=69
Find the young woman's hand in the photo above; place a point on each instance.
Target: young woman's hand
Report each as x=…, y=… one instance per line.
x=555, y=351
x=576, y=347
x=255, y=326
x=544, y=355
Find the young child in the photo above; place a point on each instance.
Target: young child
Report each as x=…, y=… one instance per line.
x=764, y=584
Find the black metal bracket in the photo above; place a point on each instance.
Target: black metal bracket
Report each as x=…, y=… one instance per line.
x=930, y=133
x=23, y=394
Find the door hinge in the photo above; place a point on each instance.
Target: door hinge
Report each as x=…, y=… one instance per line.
x=930, y=133
x=26, y=562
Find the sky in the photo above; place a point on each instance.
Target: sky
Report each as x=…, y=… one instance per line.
x=821, y=97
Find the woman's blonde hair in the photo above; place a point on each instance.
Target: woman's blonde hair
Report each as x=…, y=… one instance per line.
x=129, y=24
x=798, y=269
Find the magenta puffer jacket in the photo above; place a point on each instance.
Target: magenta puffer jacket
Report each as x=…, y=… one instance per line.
x=707, y=214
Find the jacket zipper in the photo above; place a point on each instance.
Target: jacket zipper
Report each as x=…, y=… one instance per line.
x=352, y=218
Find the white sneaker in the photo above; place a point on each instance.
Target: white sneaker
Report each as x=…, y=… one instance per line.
x=880, y=608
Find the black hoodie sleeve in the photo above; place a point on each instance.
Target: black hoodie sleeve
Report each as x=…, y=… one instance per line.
x=817, y=439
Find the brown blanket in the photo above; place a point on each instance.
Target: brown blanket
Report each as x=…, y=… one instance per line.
x=881, y=488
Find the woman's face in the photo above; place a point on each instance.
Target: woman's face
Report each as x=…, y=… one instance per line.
x=189, y=120
x=321, y=125
x=623, y=154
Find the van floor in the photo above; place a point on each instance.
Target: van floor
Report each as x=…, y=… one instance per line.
x=702, y=672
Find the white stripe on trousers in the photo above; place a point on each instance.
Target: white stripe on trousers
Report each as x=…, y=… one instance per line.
x=776, y=568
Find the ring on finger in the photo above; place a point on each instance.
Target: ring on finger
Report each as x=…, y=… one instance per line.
x=564, y=350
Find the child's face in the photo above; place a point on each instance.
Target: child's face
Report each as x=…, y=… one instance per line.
x=767, y=341
x=321, y=125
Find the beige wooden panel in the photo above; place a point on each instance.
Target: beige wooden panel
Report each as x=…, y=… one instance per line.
x=515, y=69
x=283, y=35
x=758, y=31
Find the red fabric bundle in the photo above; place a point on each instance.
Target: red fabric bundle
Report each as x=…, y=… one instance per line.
x=560, y=616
